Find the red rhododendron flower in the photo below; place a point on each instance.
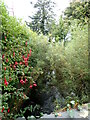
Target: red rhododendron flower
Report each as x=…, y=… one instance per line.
x=7, y=60
x=14, y=66
x=30, y=86
x=5, y=82
x=30, y=50
x=28, y=55
x=3, y=56
x=23, y=56
x=5, y=68
x=34, y=84
x=25, y=59
x=25, y=80
x=13, y=54
x=26, y=63
x=2, y=109
x=16, y=63
x=20, y=63
x=8, y=110
x=22, y=82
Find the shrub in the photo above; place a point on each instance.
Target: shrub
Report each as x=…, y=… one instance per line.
x=77, y=57
x=19, y=71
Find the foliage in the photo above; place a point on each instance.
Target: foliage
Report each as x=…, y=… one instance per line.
x=77, y=57
x=42, y=19
x=78, y=10
x=60, y=30
x=19, y=71
x=69, y=66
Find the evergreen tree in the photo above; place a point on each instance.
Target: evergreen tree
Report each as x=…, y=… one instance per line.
x=42, y=19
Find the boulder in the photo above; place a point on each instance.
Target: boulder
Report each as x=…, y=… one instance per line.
x=48, y=99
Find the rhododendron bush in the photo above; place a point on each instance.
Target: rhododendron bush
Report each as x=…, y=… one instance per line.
x=18, y=69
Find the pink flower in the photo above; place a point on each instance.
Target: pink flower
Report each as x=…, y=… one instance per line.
x=5, y=68
x=13, y=54
x=30, y=50
x=30, y=86
x=16, y=63
x=21, y=81
x=20, y=63
x=23, y=56
x=25, y=80
x=2, y=109
x=14, y=66
x=28, y=55
x=5, y=82
x=7, y=60
x=26, y=63
x=3, y=56
x=25, y=59
x=8, y=110
x=34, y=84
